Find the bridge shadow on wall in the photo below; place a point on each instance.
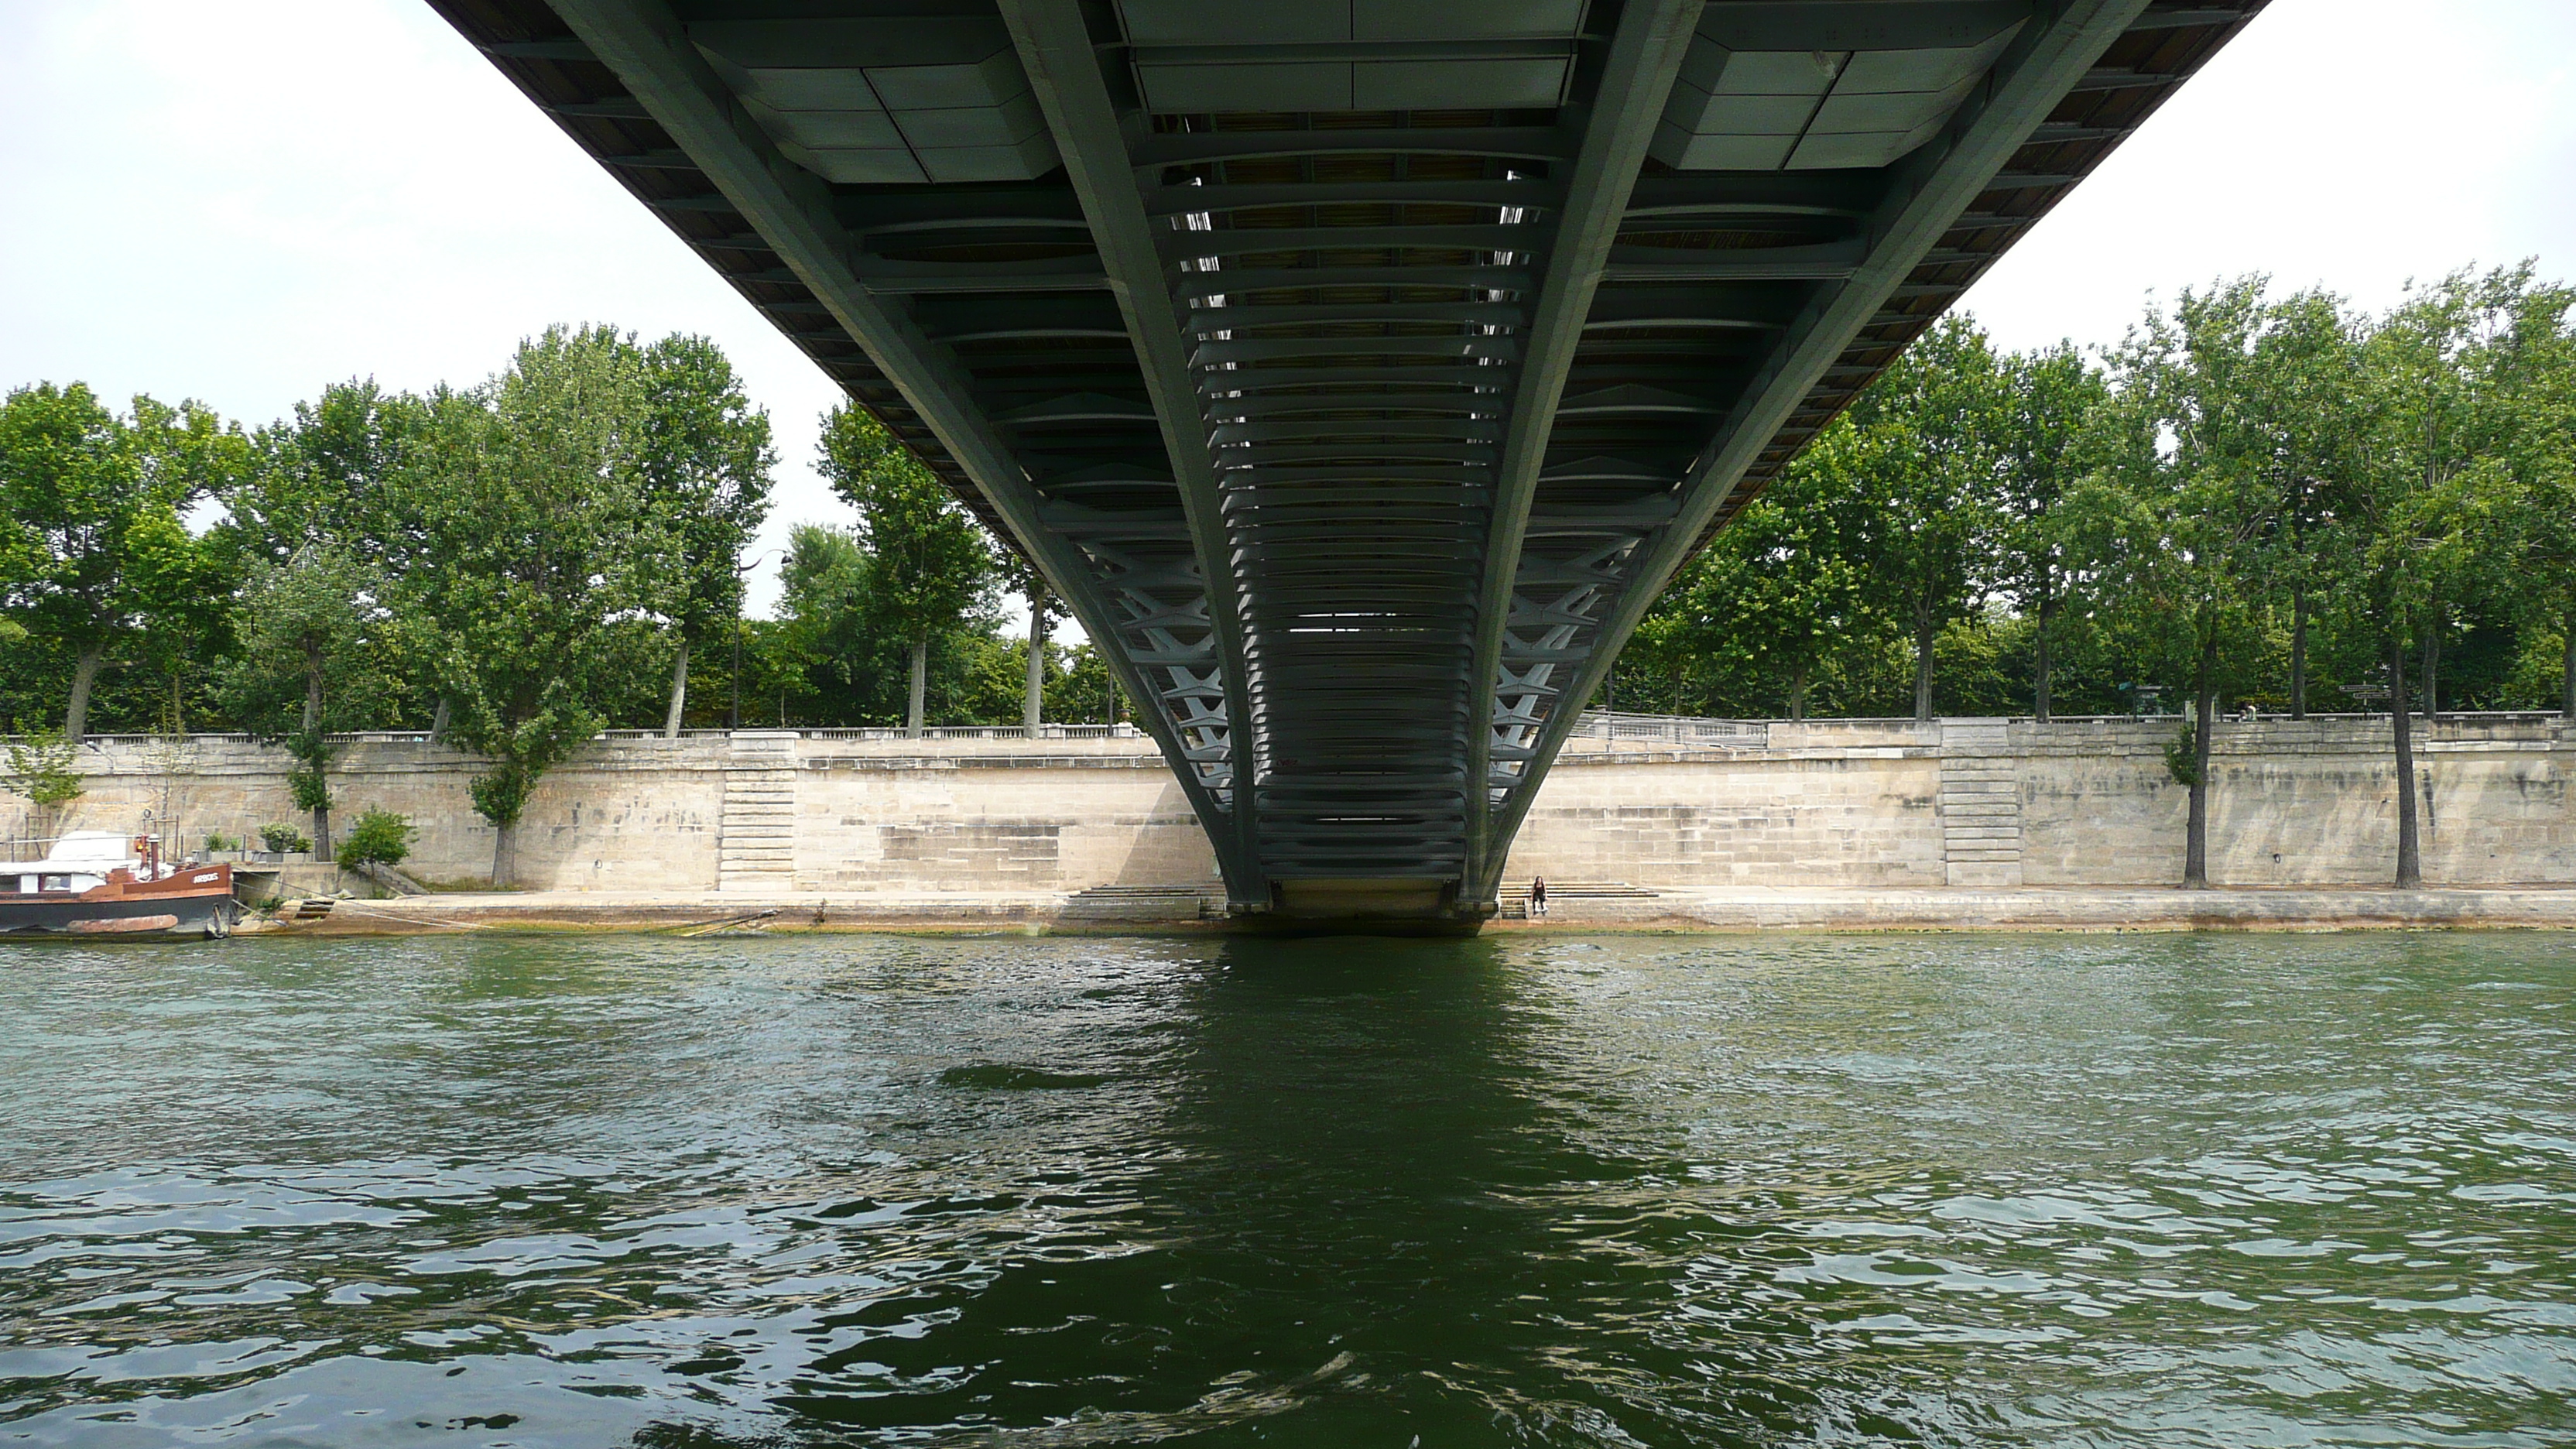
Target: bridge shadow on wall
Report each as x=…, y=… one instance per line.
x=1171, y=849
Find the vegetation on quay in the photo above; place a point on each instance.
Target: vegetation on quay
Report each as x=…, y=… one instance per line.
x=2263, y=501
x=2253, y=499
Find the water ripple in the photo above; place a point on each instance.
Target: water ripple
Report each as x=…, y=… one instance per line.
x=846, y=1191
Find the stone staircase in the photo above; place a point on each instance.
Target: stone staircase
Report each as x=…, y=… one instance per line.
x=1145, y=903
x=1512, y=901
x=756, y=844
x=1980, y=804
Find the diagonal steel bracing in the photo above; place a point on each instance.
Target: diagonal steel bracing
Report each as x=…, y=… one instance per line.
x=1107, y=591
x=1625, y=564
x=1054, y=46
x=1645, y=57
x=1356, y=373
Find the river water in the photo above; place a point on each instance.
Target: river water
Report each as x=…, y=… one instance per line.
x=2140, y=1190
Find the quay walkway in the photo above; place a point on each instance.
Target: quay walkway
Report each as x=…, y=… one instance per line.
x=1693, y=909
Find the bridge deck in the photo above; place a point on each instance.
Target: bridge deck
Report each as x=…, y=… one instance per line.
x=1356, y=373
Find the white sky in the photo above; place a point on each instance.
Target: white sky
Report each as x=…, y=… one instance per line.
x=243, y=201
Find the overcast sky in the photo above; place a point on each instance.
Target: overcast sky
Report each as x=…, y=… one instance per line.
x=243, y=200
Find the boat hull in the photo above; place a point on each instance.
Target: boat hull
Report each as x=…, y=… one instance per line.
x=190, y=907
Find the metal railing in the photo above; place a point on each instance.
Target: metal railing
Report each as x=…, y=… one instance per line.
x=889, y=734
x=1679, y=730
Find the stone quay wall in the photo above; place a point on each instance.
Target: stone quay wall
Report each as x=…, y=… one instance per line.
x=1871, y=803
x=1999, y=803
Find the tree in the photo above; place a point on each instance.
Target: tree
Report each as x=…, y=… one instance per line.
x=2299, y=411
x=2177, y=522
x=43, y=766
x=2435, y=425
x=527, y=498
x=94, y=503
x=823, y=613
x=1776, y=589
x=704, y=461
x=319, y=525
x=928, y=563
x=1022, y=577
x=303, y=620
x=2050, y=400
x=2536, y=378
x=1919, y=464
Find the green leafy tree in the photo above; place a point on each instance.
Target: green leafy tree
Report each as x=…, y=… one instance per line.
x=306, y=620
x=1776, y=590
x=1919, y=463
x=527, y=498
x=703, y=459
x=1022, y=577
x=2051, y=402
x=43, y=765
x=2177, y=525
x=94, y=503
x=929, y=565
x=331, y=477
x=2436, y=430
x=2300, y=414
x=823, y=635
x=2534, y=375
x=322, y=528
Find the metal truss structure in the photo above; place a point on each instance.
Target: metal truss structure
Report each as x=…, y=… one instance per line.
x=1357, y=372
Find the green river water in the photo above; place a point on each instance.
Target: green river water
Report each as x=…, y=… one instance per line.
x=2134, y=1190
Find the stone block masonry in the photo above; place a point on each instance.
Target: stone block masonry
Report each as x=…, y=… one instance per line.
x=1997, y=804
x=1886, y=805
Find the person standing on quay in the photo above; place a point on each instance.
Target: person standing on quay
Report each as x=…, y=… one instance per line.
x=1538, y=895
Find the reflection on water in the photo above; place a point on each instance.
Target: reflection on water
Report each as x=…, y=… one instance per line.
x=2095, y=1191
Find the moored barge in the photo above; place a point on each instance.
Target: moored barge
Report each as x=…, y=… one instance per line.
x=100, y=885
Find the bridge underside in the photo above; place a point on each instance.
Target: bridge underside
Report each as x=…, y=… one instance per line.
x=1357, y=373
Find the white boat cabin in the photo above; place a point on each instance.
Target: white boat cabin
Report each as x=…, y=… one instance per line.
x=77, y=862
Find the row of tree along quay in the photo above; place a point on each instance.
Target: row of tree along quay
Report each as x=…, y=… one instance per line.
x=2253, y=501
x=510, y=567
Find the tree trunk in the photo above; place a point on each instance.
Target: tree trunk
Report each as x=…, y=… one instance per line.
x=312, y=685
x=1798, y=691
x=679, y=692
x=2410, y=867
x=2299, y=653
x=2433, y=669
x=313, y=729
x=438, y=722
x=2567, y=668
x=1925, y=631
x=2039, y=685
x=505, y=856
x=84, y=674
x=920, y=687
x=2204, y=720
x=1033, y=705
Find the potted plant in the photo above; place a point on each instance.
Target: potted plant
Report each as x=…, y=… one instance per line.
x=222, y=847
x=285, y=845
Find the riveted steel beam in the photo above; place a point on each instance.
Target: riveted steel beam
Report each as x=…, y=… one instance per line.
x=1055, y=49
x=1645, y=57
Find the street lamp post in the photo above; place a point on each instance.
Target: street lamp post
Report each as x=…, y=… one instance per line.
x=733, y=716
